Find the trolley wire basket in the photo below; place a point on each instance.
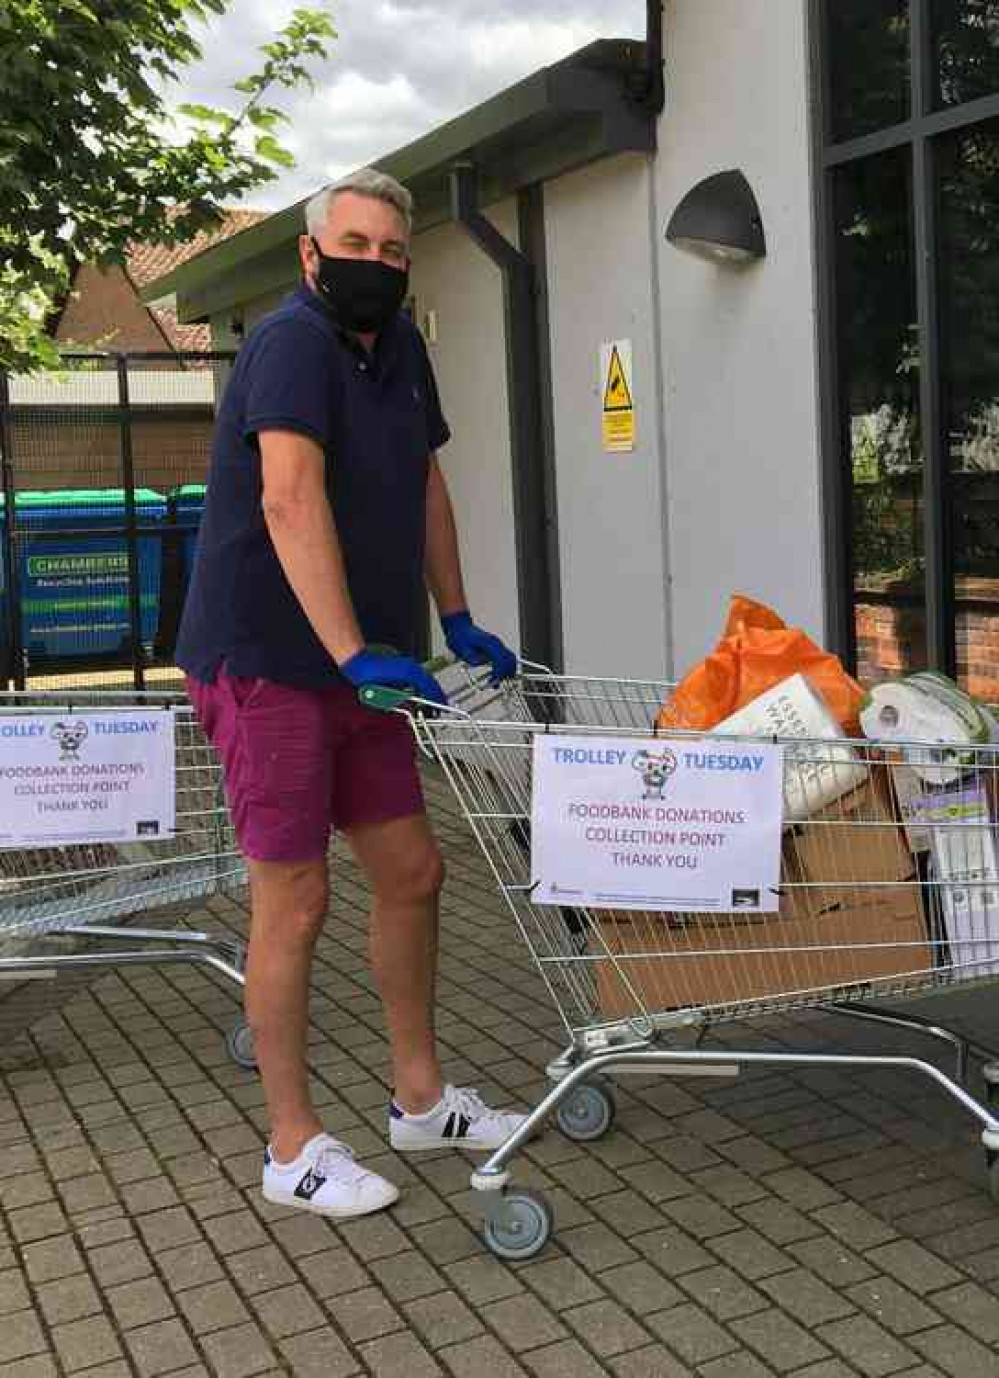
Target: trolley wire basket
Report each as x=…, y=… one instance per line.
x=68, y=912
x=889, y=888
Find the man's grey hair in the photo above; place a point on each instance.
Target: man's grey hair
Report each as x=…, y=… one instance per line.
x=378, y=185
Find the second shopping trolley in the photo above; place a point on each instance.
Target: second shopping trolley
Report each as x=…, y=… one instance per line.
x=69, y=911
x=884, y=893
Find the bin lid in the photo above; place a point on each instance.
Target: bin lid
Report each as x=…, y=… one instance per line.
x=72, y=502
x=189, y=493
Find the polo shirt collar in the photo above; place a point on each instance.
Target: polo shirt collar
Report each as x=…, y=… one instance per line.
x=386, y=349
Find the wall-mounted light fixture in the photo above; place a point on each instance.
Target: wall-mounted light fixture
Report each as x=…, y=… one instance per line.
x=719, y=220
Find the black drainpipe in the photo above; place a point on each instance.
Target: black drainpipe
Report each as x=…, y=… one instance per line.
x=533, y=491
x=653, y=96
x=529, y=385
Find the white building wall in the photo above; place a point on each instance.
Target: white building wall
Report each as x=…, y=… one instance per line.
x=453, y=279
x=740, y=345
x=250, y=314
x=610, y=506
x=223, y=335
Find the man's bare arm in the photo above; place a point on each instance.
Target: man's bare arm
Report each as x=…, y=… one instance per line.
x=300, y=523
x=443, y=562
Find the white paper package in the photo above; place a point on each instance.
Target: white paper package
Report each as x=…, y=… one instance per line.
x=816, y=774
x=929, y=708
x=966, y=866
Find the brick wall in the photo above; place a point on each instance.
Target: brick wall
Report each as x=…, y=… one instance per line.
x=73, y=452
x=79, y=448
x=104, y=310
x=891, y=634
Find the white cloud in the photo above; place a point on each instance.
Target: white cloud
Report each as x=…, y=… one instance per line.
x=398, y=69
x=501, y=45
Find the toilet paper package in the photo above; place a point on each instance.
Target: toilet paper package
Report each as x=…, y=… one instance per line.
x=931, y=709
x=965, y=870
x=822, y=769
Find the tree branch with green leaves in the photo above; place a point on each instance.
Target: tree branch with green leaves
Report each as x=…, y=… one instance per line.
x=92, y=158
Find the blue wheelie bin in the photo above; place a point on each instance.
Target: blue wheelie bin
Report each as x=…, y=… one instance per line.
x=74, y=587
x=187, y=505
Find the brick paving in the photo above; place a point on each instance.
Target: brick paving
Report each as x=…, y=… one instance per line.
x=819, y=1224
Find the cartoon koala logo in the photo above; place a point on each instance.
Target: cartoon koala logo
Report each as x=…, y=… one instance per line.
x=70, y=736
x=655, y=769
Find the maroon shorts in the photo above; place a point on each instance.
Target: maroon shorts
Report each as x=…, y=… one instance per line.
x=301, y=762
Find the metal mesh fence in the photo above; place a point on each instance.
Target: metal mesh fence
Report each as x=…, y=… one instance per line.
x=103, y=471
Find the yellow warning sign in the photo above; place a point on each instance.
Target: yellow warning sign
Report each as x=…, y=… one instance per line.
x=618, y=400
x=617, y=395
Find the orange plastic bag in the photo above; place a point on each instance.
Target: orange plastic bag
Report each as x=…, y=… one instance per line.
x=757, y=651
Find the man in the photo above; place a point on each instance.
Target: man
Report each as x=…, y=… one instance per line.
x=326, y=509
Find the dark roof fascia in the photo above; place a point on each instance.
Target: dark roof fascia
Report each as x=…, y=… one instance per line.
x=558, y=119
x=276, y=271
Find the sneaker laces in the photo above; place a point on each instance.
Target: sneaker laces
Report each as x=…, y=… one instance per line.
x=335, y=1160
x=467, y=1101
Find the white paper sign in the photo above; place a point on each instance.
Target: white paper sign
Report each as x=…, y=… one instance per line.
x=677, y=826
x=86, y=777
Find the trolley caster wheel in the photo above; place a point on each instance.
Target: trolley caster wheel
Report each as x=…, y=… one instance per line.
x=520, y=1226
x=587, y=1113
x=239, y=1046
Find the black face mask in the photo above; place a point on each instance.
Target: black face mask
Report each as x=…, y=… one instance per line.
x=362, y=294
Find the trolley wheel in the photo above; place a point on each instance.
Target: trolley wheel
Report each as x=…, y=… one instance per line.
x=587, y=1113
x=521, y=1227
x=239, y=1046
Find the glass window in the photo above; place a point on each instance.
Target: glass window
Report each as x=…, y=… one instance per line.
x=879, y=380
x=868, y=53
x=969, y=278
x=966, y=36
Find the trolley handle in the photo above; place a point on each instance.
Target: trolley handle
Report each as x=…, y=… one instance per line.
x=385, y=699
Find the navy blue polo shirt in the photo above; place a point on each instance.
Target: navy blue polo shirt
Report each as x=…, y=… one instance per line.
x=378, y=419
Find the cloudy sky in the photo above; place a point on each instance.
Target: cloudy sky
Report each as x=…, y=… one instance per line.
x=398, y=69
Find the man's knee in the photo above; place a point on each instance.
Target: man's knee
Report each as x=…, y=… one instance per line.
x=291, y=898
x=415, y=877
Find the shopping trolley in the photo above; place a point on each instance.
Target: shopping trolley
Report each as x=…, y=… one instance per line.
x=889, y=888
x=68, y=912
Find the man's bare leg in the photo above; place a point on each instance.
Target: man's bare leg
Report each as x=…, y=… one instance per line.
x=289, y=901
x=403, y=865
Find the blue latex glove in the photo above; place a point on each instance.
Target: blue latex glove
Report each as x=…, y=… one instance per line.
x=476, y=647
x=392, y=672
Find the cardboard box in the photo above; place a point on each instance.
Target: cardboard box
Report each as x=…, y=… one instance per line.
x=848, y=850
x=851, y=912
x=721, y=959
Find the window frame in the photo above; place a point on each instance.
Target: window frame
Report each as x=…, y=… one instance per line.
x=920, y=133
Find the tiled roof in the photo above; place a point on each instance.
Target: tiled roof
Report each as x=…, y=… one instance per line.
x=193, y=338
x=147, y=262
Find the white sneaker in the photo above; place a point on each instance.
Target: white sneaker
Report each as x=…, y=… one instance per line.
x=460, y=1119
x=325, y=1178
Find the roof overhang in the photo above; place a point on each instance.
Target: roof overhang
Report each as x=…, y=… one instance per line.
x=577, y=111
